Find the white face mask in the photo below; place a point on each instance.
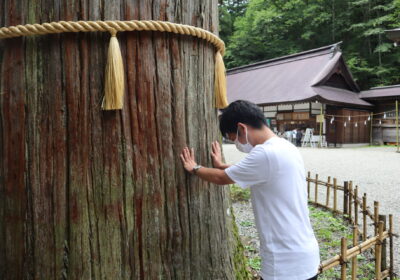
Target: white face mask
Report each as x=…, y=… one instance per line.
x=245, y=148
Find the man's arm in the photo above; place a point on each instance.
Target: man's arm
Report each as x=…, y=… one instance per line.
x=213, y=175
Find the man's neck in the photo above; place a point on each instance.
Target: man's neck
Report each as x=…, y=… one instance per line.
x=263, y=135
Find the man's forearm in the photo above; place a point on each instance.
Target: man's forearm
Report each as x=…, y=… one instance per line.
x=214, y=175
x=223, y=166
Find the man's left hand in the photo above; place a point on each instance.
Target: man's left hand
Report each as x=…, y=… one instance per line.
x=187, y=157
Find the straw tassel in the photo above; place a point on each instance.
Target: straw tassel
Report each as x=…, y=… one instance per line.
x=221, y=100
x=114, y=83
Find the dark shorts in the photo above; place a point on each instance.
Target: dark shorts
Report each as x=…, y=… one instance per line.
x=313, y=278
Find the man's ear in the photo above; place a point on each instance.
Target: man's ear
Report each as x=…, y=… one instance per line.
x=241, y=126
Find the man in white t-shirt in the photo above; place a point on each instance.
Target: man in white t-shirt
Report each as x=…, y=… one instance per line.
x=274, y=171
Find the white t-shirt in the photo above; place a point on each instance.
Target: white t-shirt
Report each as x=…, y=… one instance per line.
x=275, y=172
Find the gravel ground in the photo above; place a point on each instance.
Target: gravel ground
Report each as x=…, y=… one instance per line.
x=376, y=170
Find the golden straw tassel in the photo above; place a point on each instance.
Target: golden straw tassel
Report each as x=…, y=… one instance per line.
x=221, y=100
x=114, y=83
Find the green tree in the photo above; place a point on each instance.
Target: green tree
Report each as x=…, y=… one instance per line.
x=273, y=28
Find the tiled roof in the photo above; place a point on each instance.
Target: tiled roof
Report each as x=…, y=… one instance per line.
x=294, y=78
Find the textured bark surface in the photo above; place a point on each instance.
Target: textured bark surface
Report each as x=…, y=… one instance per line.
x=91, y=194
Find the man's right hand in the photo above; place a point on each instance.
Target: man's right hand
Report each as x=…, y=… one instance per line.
x=216, y=155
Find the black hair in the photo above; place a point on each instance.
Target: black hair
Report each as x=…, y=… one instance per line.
x=241, y=111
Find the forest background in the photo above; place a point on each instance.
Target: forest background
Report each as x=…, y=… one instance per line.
x=255, y=30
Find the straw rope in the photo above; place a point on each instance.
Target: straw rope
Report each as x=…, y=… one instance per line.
x=114, y=83
x=111, y=26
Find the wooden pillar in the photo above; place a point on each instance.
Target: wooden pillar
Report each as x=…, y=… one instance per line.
x=371, y=130
x=343, y=255
x=364, y=207
x=350, y=201
x=320, y=125
x=356, y=206
x=334, y=195
x=376, y=217
x=354, y=262
x=391, y=254
x=328, y=186
x=382, y=219
x=378, y=252
x=345, y=198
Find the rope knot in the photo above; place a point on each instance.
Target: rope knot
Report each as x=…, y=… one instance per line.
x=113, y=32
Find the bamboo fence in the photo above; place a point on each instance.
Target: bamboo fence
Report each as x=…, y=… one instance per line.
x=352, y=206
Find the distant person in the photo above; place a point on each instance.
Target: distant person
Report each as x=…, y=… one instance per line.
x=299, y=135
x=288, y=135
x=294, y=136
x=274, y=171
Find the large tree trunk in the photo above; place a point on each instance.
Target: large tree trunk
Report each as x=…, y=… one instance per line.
x=92, y=194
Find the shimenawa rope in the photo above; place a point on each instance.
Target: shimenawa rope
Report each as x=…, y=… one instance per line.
x=114, y=83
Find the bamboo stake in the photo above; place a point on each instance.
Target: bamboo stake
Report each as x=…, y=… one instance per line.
x=378, y=252
x=382, y=218
x=356, y=206
x=334, y=194
x=376, y=216
x=316, y=188
x=350, y=201
x=343, y=255
x=345, y=198
x=352, y=252
x=308, y=183
x=391, y=272
x=328, y=190
x=364, y=246
x=354, y=262
x=364, y=206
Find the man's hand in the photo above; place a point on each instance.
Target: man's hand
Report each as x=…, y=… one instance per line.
x=187, y=157
x=213, y=175
x=216, y=155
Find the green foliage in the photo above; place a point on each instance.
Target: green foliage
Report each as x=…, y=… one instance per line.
x=246, y=224
x=239, y=194
x=256, y=30
x=254, y=263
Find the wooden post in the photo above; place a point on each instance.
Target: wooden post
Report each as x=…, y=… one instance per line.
x=356, y=206
x=320, y=127
x=345, y=198
x=354, y=262
x=378, y=252
x=316, y=188
x=350, y=201
x=328, y=187
x=391, y=247
x=364, y=207
x=382, y=219
x=370, y=133
x=308, y=184
x=343, y=255
x=334, y=194
x=397, y=126
x=376, y=217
